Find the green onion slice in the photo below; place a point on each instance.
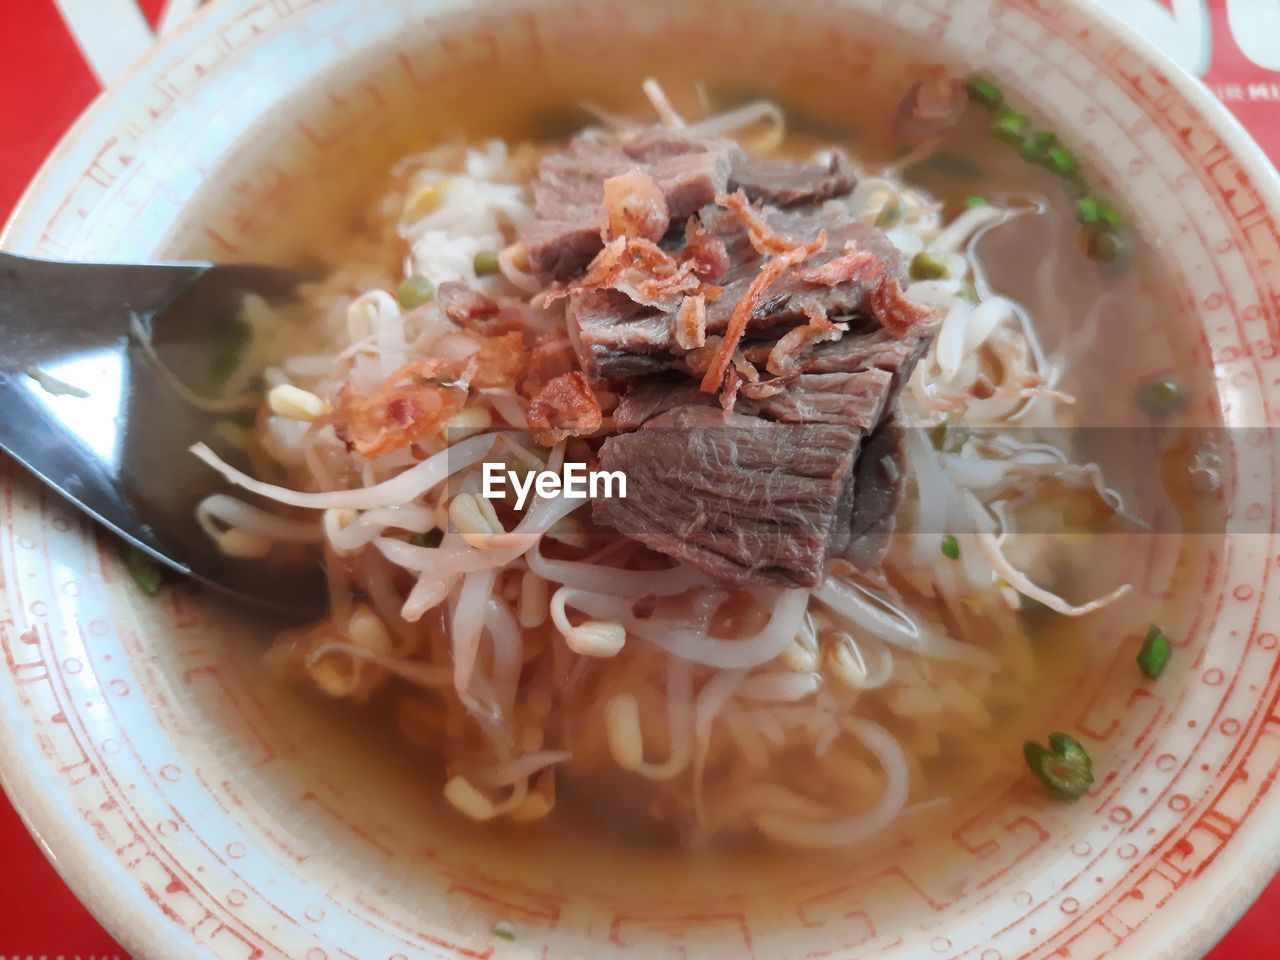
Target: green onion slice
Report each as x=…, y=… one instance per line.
x=146, y=573
x=1064, y=767
x=1155, y=653
x=984, y=91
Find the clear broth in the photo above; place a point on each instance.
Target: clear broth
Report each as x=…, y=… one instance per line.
x=284, y=199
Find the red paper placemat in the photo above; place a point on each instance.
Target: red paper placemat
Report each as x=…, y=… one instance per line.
x=61, y=50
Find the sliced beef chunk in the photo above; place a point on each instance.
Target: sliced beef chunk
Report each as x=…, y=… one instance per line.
x=802, y=467
x=876, y=494
x=686, y=476
x=569, y=191
x=785, y=183
x=618, y=338
x=848, y=382
x=745, y=499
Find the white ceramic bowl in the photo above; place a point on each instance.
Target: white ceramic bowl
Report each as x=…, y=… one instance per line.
x=199, y=812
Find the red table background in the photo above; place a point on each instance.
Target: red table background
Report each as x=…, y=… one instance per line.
x=46, y=79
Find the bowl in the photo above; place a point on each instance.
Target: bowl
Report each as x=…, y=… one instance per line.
x=198, y=809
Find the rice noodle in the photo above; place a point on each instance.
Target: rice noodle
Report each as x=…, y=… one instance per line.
x=1022, y=583
x=711, y=699
x=661, y=105
x=421, y=674
x=786, y=611
x=803, y=832
x=235, y=403
x=522, y=768
x=236, y=513
x=895, y=627
x=371, y=524
x=615, y=581
x=760, y=112
x=779, y=687
x=679, y=725
x=402, y=488
x=964, y=227
x=466, y=625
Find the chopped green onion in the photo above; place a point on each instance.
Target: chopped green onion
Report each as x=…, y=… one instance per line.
x=971, y=202
x=949, y=439
x=1062, y=161
x=1155, y=653
x=504, y=929
x=1044, y=141
x=1035, y=147
x=984, y=91
x=414, y=292
x=1011, y=125
x=230, y=350
x=1110, y=216
x=1088, y=210
x=146, y=573
x=432, y=538
x=1160, y=396
x=485, y=263
x=1065, y=767
x=928, y=266
x=950, y=547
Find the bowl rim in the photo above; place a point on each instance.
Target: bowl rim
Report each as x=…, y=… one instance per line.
x=81, y=861
x=1250, y=867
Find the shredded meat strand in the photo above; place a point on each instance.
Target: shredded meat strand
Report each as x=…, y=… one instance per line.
x=564, y=407
x=771, y=272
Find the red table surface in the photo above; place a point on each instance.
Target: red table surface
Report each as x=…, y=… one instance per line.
x=39, y=916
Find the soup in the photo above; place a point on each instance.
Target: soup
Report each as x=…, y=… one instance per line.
x=689, y=664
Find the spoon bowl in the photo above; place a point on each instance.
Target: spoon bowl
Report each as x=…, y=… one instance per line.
x=107, y=380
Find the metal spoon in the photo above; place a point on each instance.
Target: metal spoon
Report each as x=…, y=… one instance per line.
x=86, y=410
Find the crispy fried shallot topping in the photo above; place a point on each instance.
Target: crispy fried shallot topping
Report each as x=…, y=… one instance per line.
x=564, y=407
